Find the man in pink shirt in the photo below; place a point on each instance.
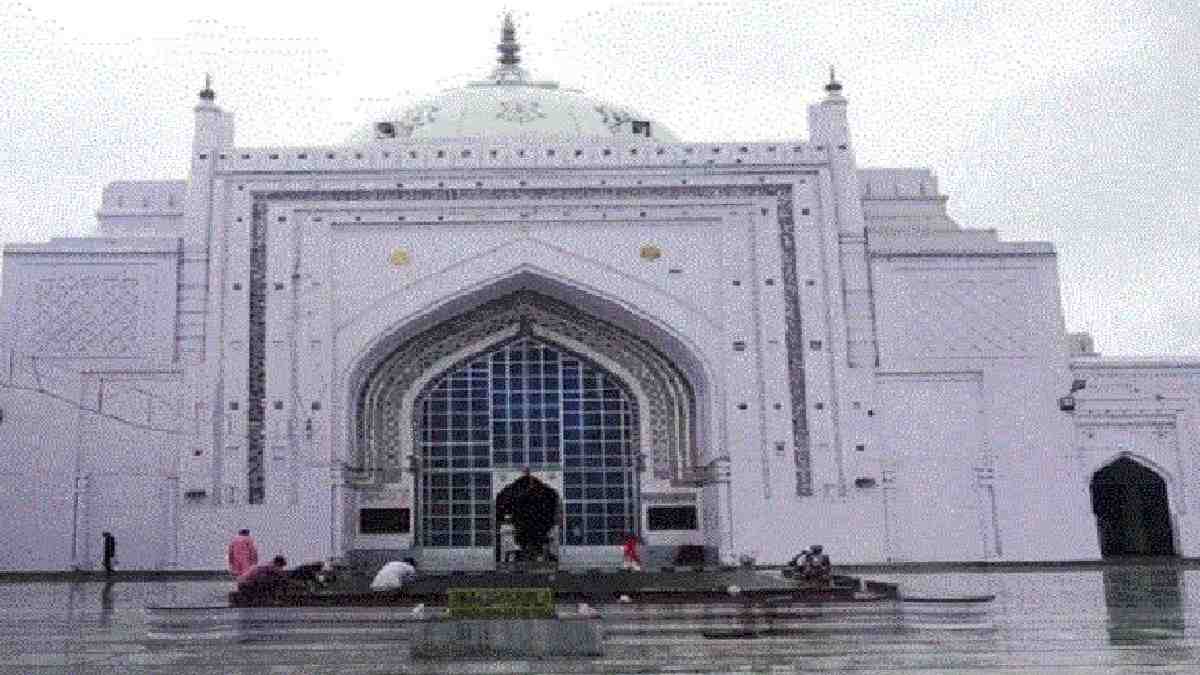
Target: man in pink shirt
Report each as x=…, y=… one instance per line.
x=243, y=554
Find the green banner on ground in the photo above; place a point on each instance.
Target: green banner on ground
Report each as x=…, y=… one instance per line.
x=501, y=603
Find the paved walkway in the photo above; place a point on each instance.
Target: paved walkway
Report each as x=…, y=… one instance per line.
x=1124, y=621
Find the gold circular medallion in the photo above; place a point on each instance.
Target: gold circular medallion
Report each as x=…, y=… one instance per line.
x=399, y=257
x=651, y=252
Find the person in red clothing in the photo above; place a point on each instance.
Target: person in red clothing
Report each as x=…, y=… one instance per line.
x=631, y=560
x=243, y=554
x=265, y=580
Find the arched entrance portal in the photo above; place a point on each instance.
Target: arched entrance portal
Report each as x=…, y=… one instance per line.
x=533, y=509
x=1132, y=513
x=525, y=404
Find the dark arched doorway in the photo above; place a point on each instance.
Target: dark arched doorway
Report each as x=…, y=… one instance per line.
x=533, y=509
x=1132, y=513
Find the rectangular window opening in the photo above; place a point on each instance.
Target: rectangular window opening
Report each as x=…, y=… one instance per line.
x=672, y=518
x=384, y=521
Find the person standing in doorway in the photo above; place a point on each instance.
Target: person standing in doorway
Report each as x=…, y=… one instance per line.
x=631, y=561
x=508, y=540
x=110, y=553
x=243, y=554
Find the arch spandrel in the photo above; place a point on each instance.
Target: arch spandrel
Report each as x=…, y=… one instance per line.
x=378, y=330
x=668, y=398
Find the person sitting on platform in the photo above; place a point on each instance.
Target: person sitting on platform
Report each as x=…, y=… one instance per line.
x=392, y=575
x=313, y=575
x=266, y=581
x=817, y=569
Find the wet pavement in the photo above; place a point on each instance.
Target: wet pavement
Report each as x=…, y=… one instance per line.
x=1118, y=620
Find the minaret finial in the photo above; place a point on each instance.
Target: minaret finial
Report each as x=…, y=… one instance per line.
x=508, y=46
x=207, y=93
x=834, y=86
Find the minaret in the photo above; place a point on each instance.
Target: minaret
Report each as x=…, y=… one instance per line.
x=828, y=129
x=213, y=131
x=851, y=330
x=214, y=128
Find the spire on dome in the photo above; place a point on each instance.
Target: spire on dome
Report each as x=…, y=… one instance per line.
x=508, y=46
x=509, y=69
x=207, y=93
x=834, y=87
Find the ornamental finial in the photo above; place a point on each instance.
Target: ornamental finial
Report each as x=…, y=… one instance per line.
x=508, y=46
x=207, y=93
x=834, y=86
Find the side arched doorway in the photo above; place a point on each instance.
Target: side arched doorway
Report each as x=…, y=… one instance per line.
x=1133, y=516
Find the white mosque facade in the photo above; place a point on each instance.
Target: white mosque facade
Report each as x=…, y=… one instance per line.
x=742, y=348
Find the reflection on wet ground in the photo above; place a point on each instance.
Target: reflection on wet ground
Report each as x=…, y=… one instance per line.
x=1118, y=620
x=1144, y=604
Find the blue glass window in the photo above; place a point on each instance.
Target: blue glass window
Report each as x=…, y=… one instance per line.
x=526, y=404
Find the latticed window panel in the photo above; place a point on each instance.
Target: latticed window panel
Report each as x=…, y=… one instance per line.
x=599, y=470
x=526, y=404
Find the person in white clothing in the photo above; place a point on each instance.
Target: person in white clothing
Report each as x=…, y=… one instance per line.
x=392, y=575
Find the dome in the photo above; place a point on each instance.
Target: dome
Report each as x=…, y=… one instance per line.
x=510, y=105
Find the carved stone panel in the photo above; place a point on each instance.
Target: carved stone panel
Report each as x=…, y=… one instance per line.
x=84, y=315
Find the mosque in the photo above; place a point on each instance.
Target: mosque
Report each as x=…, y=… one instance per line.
x=728, y=349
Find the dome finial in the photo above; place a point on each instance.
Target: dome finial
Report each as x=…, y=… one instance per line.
x=834, y=86
x=509, y=72
x=207, y=93
x=508, y=46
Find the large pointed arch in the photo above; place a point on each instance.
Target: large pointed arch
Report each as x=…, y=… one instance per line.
x=381, y=444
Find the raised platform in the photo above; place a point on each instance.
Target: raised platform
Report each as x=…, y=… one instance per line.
x=596, y=587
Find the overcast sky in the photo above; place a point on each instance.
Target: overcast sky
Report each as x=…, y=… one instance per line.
x=1070, y=122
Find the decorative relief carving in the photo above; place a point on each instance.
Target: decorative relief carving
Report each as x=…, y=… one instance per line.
x=613, y=118
x=974, y=317
x=414, y=118
x=520, y=112
x=85, y=315
x=256, y=370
